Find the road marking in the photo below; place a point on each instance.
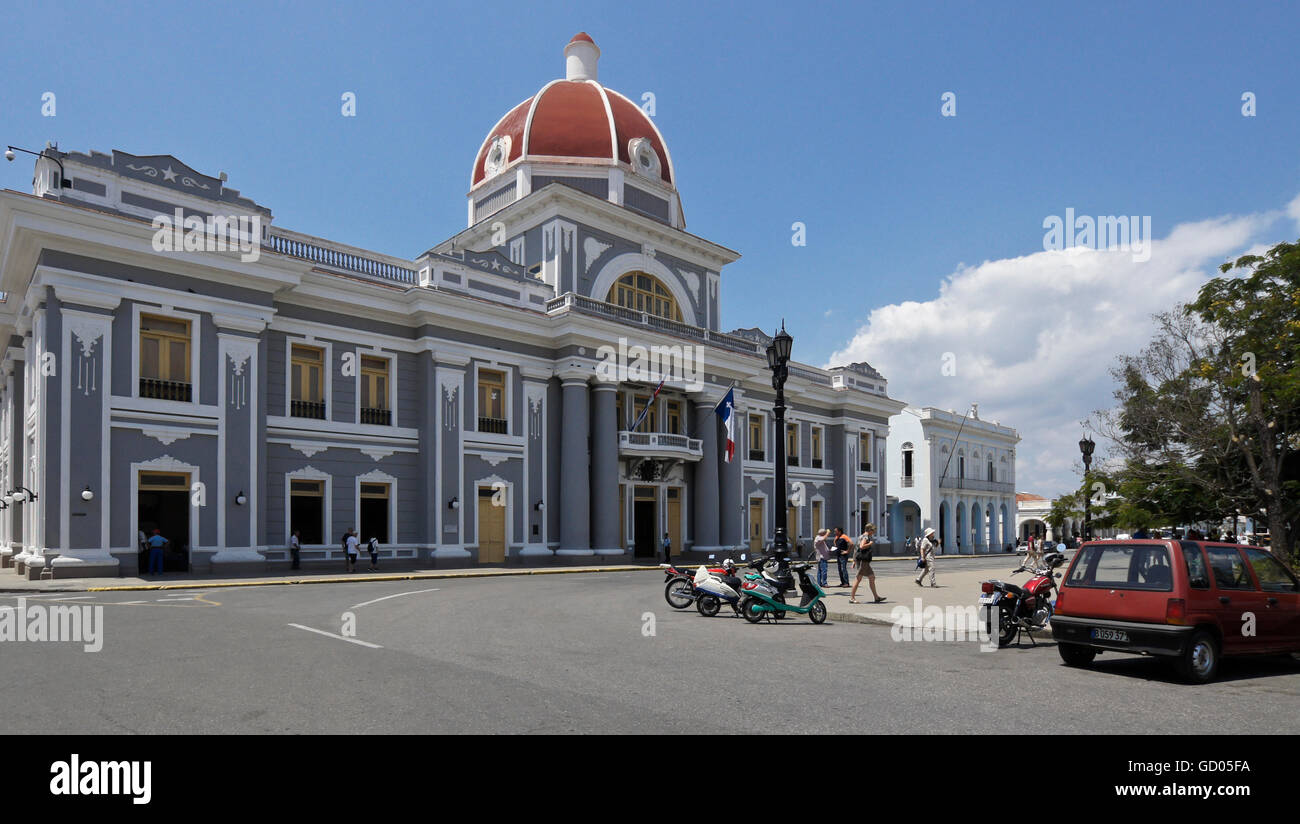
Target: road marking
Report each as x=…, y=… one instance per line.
x=386, y=597
x=76, y=598
x=172, y=598
x=129, y=603
x=340, y=637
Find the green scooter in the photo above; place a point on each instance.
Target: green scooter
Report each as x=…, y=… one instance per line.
x=757, y=604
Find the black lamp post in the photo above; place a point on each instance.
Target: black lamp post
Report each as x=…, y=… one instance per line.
x=1086, y=446
x=778, y=356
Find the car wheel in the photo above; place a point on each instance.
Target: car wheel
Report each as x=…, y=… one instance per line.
x=1199, y=660
x=1076, y=655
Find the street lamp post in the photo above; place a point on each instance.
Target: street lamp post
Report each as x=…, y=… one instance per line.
x=1086, y=446
x=778, y=356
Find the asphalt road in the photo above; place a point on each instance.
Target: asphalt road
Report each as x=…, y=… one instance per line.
x=570, y=653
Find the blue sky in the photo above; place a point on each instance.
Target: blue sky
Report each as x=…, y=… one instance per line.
x=774, y=113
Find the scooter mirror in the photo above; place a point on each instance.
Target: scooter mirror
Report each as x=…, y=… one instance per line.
x=742, y=557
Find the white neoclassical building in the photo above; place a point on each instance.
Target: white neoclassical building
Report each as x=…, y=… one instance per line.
x=955, y=473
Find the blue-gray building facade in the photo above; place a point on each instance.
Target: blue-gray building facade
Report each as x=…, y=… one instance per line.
x=541, y=386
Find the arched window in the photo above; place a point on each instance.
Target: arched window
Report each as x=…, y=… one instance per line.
x=641, y=292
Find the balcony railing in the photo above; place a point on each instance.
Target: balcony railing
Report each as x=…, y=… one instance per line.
x=757, y=455
x=570, y=301
x=166, y=390
x=380, y=417
x=307, y=409
x=975, y=484
x=864, y=466
x=791, y=460
x=816, y=463
x=339, y=257
x=494, y=426
x=660, y=444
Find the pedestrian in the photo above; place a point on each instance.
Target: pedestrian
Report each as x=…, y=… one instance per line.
x=863, y=561
x=373, y=548
x=823, y=550
x=352, y=548
x=156, y=543
x=842, y=549
x=925, y=562
x=668, y=549
x=295, y=547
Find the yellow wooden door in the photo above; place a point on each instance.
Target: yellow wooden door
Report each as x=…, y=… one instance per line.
x=491, y=528
x=756, y=524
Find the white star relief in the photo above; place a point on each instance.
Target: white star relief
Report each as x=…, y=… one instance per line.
x=169, y=175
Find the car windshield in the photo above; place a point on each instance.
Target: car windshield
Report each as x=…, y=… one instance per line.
x=1121, y=566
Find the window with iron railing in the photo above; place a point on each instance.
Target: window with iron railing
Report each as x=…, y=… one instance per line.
x=306, y=370
x=375, y=384
x=492, y=402
x=756, y=450
x=864, y=452
x=165, y=359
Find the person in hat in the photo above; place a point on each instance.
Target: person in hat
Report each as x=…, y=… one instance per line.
x=925, y=563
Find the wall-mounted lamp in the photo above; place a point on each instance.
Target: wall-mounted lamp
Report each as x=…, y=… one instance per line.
x=22, y=493
x=9, y=497
x=454, y=503
x=241, y=499
x=86, y=494
x=539, y=506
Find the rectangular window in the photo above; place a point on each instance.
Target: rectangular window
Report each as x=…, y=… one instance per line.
x=374, y=513
x=1123, y=567
x=864, y=451
x=306, y=382
x=756, y=451
x=674, y=418
x=1228, y=568
x=817, y=447
x=492, y=402
x=307, y=510
x=619, y=415
x=375, y=407
x=792, y=444
x=165, y=359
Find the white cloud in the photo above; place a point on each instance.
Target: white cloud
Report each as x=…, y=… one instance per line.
x=1035, y=337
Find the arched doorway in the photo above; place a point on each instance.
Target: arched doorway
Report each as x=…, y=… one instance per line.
x=993, y=542
x=976, y=530
x=960, y=531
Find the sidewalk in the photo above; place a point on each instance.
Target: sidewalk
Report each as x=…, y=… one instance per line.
x=17, y=585
x=958, y=587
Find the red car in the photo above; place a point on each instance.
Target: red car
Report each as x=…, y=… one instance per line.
x=1191, y=601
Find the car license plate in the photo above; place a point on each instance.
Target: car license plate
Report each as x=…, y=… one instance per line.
x=1110, y=635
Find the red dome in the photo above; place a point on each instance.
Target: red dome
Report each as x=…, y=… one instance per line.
x=571, y=120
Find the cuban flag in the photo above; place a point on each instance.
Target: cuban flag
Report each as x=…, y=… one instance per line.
x=726, y=411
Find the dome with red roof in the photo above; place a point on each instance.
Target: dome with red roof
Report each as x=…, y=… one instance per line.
x=576, y=121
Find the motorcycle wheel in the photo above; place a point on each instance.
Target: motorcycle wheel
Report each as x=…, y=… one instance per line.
x=708, y=604
x=1006, y=626
x=747, y=610
x=817, y=613
x=678, y=593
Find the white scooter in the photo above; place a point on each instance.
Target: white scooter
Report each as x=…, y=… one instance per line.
x=712, y=591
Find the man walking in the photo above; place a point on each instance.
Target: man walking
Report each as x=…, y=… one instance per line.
x=927, y=558
x=353, y=545
x=842, y=549
x=668, y=549
x=295, y=547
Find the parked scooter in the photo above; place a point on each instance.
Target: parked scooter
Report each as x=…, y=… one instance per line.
x=679, y=587
x=758, y=603
x=714, y=590
x=1026, y=609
